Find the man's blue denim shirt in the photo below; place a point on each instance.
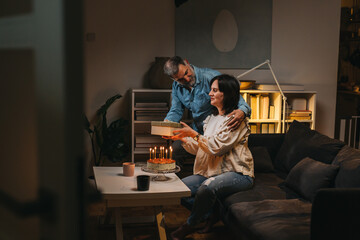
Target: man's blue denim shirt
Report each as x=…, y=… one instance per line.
x=197, y=100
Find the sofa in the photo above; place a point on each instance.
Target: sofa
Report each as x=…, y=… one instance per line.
x=307, y=186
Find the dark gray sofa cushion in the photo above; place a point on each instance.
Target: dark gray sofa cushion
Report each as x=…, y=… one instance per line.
x=272, y=142
x=301, y=142
x=308, y=176
x=290, y=150
x=262, y=160
x=265, y=187
x=270, y=219
x=348, y=159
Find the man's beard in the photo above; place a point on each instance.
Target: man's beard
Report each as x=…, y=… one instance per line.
x=191, y=83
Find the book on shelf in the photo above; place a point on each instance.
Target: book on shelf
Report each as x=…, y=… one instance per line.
x=267, y=128
x=253, y=105
x=299, y=114
x=149, y=139
x=255, y=128
x=151, y=105
x=271, y=128
x=150, y=118
x=264, y=128
x=303, y=112
x=260, y=106
x=155, y=115
x=284, y=87
x=272, y=112
x=149, y=145
x=299, y=117
x=264, y=106
x=151, y=112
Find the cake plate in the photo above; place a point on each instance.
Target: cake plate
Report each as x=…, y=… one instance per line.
x=160, y=173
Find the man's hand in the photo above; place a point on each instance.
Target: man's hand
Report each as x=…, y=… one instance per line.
x=239, y=116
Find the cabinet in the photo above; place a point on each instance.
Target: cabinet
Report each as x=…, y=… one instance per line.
x=267, y=109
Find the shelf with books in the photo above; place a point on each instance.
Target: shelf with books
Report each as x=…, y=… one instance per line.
x=147, y=105
x=266, y=107
x=302, y=107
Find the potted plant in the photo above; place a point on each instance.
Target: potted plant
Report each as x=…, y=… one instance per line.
x=107, y=140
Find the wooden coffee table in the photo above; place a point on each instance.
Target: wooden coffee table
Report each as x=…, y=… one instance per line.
x=119, y=191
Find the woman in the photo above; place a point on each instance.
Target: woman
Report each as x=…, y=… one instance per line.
x=223, y=163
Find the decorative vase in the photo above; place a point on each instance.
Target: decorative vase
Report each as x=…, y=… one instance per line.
x=157, y=79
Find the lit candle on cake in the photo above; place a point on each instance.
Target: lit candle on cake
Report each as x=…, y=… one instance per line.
x=155, y=153
x=150, y=150
x=170, y=152
x=166, y=155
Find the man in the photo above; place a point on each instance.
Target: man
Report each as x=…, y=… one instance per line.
x=190, y=90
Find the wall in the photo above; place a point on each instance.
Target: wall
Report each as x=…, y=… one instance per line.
x=305, y=42
x=305, y=50
x=129, y=34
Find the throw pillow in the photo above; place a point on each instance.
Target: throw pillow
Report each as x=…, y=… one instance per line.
x=322, y=148
x=289, y=153
x=304, y=142
x=308, y=176
x=348, y=159
x=262, y=160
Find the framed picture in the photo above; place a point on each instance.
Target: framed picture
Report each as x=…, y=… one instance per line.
x=224, y=34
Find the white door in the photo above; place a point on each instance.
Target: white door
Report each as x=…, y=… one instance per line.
x=41, y=164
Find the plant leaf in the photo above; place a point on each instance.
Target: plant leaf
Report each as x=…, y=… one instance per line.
x=87, y=124
x=102, y=110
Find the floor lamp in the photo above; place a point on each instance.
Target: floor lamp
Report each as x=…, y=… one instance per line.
x=278, y=85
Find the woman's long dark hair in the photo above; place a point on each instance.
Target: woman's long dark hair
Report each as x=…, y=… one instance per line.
x=230, y=87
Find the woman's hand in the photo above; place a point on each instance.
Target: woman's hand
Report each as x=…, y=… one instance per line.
x=235, y=123
x=186, y=131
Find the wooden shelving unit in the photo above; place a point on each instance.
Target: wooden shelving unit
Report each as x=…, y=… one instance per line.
x=275, y=100
x=154, y=104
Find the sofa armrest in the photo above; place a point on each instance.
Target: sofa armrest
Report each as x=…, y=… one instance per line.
x=336, y=214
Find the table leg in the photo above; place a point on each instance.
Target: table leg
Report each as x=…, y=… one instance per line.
x=160, y=224
x=118, y=224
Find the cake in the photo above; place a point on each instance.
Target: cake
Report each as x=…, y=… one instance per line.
x=161, y=164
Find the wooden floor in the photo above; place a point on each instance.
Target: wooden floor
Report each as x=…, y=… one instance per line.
x=102, y=227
